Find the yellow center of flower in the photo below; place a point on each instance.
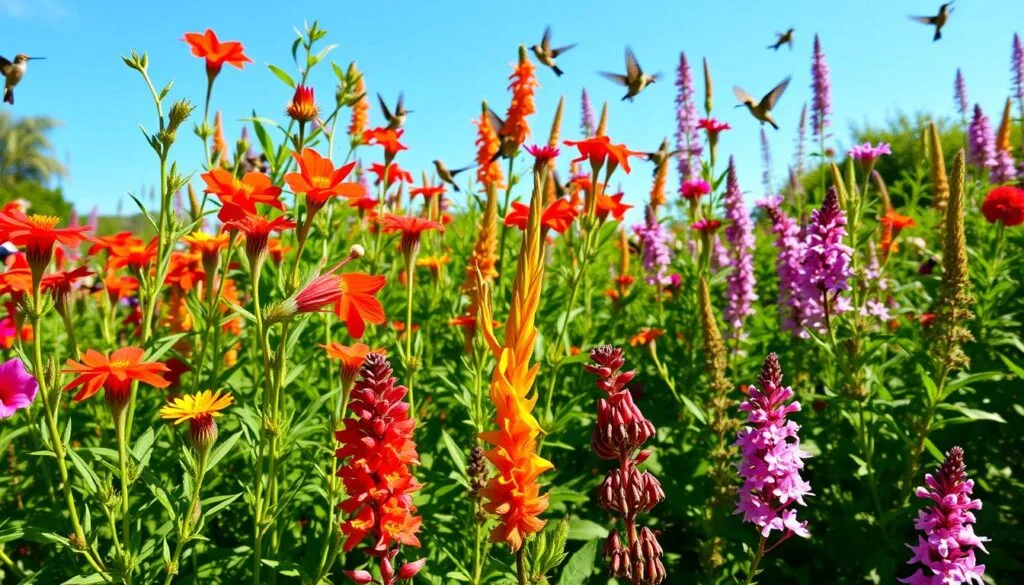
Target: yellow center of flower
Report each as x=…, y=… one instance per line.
x=44, y=221
x=342, y=285
x=119, y=365
x=240, y=186
x=321, y=182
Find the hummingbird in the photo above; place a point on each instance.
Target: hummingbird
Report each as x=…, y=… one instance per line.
x=762, y=110
x=939, y=20
x=396, y=120
x=508, y=147
x=448, y=176
x=13, y=72
x=546, y=55
x=662, y=155
x=635, y=80
x=785, y=38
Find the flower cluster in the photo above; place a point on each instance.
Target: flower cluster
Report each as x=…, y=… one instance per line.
x=821, y=105
x=771, y=456
x=826, y=263
x=588, y=125
x=656, y=252
x=981, y=141
x=620, y=431
x=687, y=138
x=946, y=549
x=740, y=235
x=377, y=452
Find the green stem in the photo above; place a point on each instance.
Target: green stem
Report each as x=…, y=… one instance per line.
x=122, y=458
x=504, y=213
x=521, y=566
x=868, y=453
x=186, y=523
x=6, y=560
x=261, y=335
x=755, y=561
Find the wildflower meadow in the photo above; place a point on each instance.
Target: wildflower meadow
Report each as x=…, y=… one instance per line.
x=307, y=362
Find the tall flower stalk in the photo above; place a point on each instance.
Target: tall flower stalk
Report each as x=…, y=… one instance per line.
x=739, y=233
x=960, y=99
x=688, y=141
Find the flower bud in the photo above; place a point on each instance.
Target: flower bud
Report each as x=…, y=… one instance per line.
x=360, y=577
x=202, y=433
x=180, y=111
x=409, y=570
x=303, y=107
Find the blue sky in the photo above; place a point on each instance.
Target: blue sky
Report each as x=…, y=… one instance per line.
x=447, y=56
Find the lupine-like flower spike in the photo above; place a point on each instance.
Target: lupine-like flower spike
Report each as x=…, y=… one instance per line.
x=588, y=125
x=826, y=262
x=960, y=94
x=937, y=168
x=657, y=255
x=771, y=457
x=946, y=548
x=788, y=267
x=740, y=234
x=766, y=163
x=688, y=141
x=800, y=149
x=1005, y=169
x=626, y=491
x=821, y=106
x=981, y=141
x=1017, y=68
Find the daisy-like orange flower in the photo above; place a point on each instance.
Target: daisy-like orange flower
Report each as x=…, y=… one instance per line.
x=185, y=270
x=199, y=410
x=38, y=234
x=524, y=85
x=646, y=336
x=599, y=150
x=611, y=205
x=320, y=181
x=114, y=374
x=386, y=138
x=119, y=287
x=59, y=284
x=303, y=107
x=353, y=297
x=892, y=224
x=241, y=194
x=108, y=243
x=351, y=358
x=557, y=217
x=17, y=279
x=133, y=254
x=395, y=173
x=216, y=52
x=411, y=228
x=488, y=169
x=208, y=245
x=257, y=231
x=427, y=190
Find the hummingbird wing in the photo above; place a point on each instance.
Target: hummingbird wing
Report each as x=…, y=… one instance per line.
x=924, y=19
x=4, y=64
x=401, y=102
x=675, y=153
x=741, y=95
x=561, y=50
x=497, y=124
x=633, y=70
x=620, y=79
x=545, y=43
x=773, y=96
x=384, y=108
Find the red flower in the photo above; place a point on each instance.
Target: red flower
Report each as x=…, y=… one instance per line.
x=1005, y=204
x=351, y=357
x=132, y=253
x=241, y=194
x=257, y=231
x=706, y=225
x=600, y=149
x=427, y=191
x=387, y=138
x=184, y=270
x=216, y=53
x=119, y=287
x=60, y=283
x=352, y=295
x=695, y=189
x=611, y=204
x=712, y=126
x=557, y=217
x=303, y=107
x=395, y=173
x=364, y=203
x=17, y=279
x=108, y=243
x=542, y=154
x=320, y=181
x=38, y=234
x=114, y=374
x=411, y=227
x=927, y=319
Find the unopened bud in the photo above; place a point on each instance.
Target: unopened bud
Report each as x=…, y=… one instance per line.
x=357, y=251
x=409, y=570
x=180, y=111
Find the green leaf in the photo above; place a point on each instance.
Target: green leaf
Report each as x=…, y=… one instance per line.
x=280, y=73
x=85, y=579
x=164, y=344
x=694, y=409
x=1017, y=370
x=580, y=565
x=221, y=503
x=92, y=482
x=222, y=450
x=580, y=529
x=457, y=457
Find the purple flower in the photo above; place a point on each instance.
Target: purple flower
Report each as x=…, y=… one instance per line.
x=800, y=150
x=740, y=235
x=867, y=154
x=960, y=93
x=982, y=142
x=18, y=388
x=946, y=549
x=587, y=125
x=655, y=247
x=688, y=140
x=719, y=253
x=1005, y=168
x=766, y=161
x=826, y=263
x=771, y=456
x=821, y=106
x=1017, y=69
x=788, y=266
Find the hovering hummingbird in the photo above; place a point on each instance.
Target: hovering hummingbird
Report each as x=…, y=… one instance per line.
x=762, y=110
x=662, y=155
x=635, y=80
x=396, y=120
x=938, y=21
x=13, y=72
x=508, y=146
x=785, y=38
x=449, y=176
x=546, y=55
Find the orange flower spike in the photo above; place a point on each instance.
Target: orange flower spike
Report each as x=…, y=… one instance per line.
x=216, y=52
x=892, y=224
x=524, y=84
x=1003, y=135
x=602, y=125
x=488, y=170
x=658, y=189
x=514, y=494
x=360, y=111
x=220, y=145
x=320, y=181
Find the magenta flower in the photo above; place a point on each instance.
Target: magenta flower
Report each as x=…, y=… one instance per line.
x=695, y=189
x=713, y=127
x=867, y=154
x=1017, y=68
x=771, y=457
x=960, y=93
x=587, y=125
x=800, y=149
x=946, y=549
x=542, y=154
x=789, y=267
x=826, y=262
x=821, y=105
x=18, y=388
x=740, y=235
x=657, y=255
x=688, y=141
x=982, y=143
x=1004, y=170
x=706, y=225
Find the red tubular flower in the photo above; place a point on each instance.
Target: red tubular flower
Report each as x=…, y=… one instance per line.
x=353, y=297
x=114, y=374
x=303, y=107
x=241, y=194
x=320, y=181
x=557, y=217
x=216, y=53
x=386, y=138
x=1005, y=204
x=611, y=205
x=395, y=173
x=599, y=150
x=38, y=234
x=412, y=228
x=257, y=231
x=377, y=452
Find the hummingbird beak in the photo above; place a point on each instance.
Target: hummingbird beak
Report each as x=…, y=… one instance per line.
x=739, y=105
x=34, y=58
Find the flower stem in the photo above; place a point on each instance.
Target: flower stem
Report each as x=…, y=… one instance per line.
x=755, y=561
x=186, y=523
x=122, y=459
x=6, y=560
x=521, y=566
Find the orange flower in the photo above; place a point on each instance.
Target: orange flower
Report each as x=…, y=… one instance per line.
x=184, y=270
x=488, y=170
x=557, y=217
x=277, y=249
x=353, y=297
x=646, y=336
x=108, y=243
x=17, y=279
x=133, y=253
x=230, y=295
x=523, y=86
x=599, y=150
x=38, y=234
x=514, y=494
x=411, y=227
x=215, y=52
x=658, y=188
x=119, y=287
x=360, y=111
x=364, y=204
x=428, y=191
x=613, y=205
x=114, y=374
x=351, y=357
x=257, y=231
x=241, y=194
x=320, y=181
x=209, y=246
x=395, y=173
x=892, y=224
x=303, y=107
x=220, y=145
x=386, y=138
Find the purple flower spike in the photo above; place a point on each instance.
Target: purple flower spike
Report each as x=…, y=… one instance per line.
x=960, y=93
x=587, y=125
x=740, y=235
x=982, y=141
x=688, y=140
x=821, y=106
x=657, y=255
x=826, y=264
x=1017, y=69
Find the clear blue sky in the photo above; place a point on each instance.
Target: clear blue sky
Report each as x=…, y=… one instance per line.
x=447, y=56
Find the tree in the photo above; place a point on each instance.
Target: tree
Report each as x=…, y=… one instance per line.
x=25, y=150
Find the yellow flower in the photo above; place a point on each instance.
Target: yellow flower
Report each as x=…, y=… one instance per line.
x=194, y=406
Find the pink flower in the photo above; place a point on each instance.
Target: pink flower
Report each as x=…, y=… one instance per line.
x=865, y=153
x=695, y=189
x=18, y=388
x=542, y=154
x=706, y=225
x=712, y=126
